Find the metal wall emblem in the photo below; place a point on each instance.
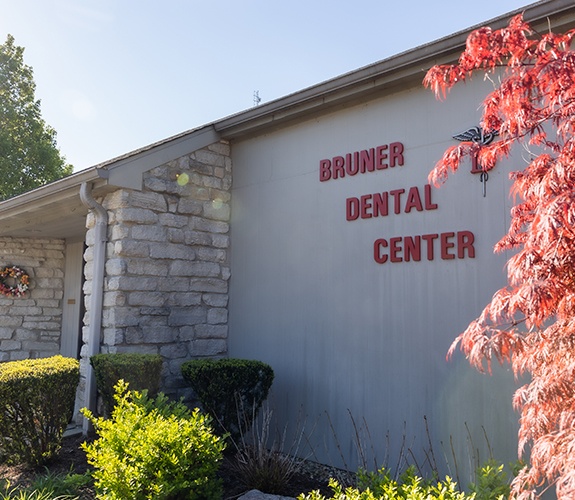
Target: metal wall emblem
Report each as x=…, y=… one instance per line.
x=479, y=136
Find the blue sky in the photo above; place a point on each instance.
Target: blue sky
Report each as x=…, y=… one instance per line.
x=116, y=75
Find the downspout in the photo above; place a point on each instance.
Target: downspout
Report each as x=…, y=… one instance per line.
x=96, y=297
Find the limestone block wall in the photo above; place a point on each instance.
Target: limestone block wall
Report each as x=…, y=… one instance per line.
x=30, y=325
x=167, y=271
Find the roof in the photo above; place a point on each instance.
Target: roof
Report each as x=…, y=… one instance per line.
x=55, y=210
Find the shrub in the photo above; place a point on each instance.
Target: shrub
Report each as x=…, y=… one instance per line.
x=492, y=482
x=379, y=485
x=36, y=403
x=140, y=371
x=153, y=448
x=230, y=390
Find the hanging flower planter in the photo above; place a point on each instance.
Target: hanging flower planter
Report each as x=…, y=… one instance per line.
x=13, y=281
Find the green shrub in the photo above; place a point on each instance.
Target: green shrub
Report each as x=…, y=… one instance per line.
x=140, y=371
x=153, y=448
x=230, y=390
x=379, y=485
x=492, y=482
x=36, y=403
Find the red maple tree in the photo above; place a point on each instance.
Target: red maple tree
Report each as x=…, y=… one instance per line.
x=531, y=322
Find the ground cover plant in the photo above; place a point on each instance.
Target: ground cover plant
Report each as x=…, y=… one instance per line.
x=531, y=322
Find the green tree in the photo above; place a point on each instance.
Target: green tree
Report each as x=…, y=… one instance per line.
x=29, y=156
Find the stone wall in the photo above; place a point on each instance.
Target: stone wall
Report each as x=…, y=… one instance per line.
x=30, y=325
x=166, y=274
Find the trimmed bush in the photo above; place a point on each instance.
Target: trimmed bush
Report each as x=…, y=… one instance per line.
x=154, y=449
x=231, y=390
x=36, y=403
x=140, y=371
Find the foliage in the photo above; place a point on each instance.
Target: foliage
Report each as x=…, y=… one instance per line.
x=492, y=483
x=379, y=485
x=262, y=461
x=29, y=156
x=153, y=449
x=48, y=486
x=36, y=403
x=61, y=485
x=230, y=390
x=140, y=371
x=9, y=493
x=531, y=322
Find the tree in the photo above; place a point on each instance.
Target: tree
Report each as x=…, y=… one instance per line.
x=530, y=323
x=29, y=156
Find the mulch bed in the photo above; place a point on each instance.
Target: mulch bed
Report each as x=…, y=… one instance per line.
x=72, y=459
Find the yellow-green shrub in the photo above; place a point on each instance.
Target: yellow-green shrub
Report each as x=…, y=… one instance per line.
x=380, y=486
x=154, y=449
x=36, y=403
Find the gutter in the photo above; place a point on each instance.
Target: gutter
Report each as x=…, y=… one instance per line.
x=394, y=72
x=96, y=298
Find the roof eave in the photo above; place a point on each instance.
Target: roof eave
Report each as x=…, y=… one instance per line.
x=395, y=72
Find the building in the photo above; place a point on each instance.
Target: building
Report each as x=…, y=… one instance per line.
x=303, y=233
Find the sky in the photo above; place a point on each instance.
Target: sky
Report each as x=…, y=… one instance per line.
x=116, y=75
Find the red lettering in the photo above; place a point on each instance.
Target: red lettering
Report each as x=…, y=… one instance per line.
x=446, y=245
x=394, y=249
x=396, y=193
x=475, y=166
x=360, y=162
x=351, y=209
x=338, y=170
x=395, y=154
x=324, y=170
x=380, y=156
x=465, y=240
x=429, y=238
x=351, y=168
x=427, y=197
x=366, y=159
x=365, y=206
x=377, y=255
x=413, y=200
x=380, y=205
x=412, y=248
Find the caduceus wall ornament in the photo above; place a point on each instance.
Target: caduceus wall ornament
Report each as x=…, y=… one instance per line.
x=478, y=136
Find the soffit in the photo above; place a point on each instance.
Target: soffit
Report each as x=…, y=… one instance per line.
x=51, y=211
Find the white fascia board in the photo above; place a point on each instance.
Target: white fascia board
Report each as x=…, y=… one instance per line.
x=61, y=189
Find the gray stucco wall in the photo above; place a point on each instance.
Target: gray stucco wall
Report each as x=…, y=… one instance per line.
x=30, y=325
x=359, y=346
